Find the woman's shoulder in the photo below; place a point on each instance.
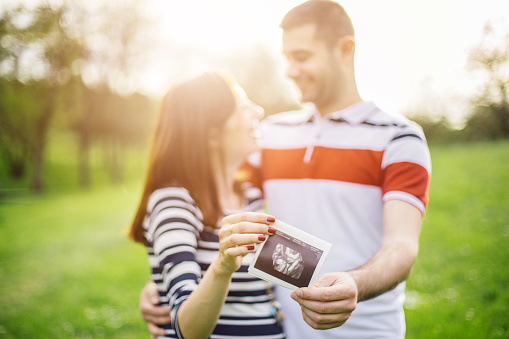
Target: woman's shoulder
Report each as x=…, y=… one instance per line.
x=172, y=203
x=171, y=195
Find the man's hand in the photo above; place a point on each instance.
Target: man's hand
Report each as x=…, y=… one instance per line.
x=152, y=313
x=330, y=302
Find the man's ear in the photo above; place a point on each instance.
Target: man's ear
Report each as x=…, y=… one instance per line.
x=346, y=47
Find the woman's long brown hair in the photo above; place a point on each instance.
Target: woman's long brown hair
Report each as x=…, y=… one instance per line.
x=179, y=154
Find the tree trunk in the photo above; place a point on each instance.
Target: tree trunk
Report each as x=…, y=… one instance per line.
x=116, y=160
x=84, y=158
x=41, y=133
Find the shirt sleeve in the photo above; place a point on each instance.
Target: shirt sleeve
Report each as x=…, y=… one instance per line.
x=174, y=229
x=406, y=168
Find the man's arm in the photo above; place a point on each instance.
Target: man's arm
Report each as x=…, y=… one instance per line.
x=393, y=263
x=331, y=301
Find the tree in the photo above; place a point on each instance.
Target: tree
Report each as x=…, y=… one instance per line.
x=116, y=40
x=65, y=43
x=16, y=106
x=42, y=39
x=490, y=116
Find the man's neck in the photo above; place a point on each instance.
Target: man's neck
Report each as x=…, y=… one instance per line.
x=337, y=106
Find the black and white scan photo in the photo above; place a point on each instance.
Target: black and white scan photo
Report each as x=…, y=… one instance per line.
x=287, y=261
x=290, y=257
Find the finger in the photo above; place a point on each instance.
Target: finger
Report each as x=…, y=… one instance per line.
x=336, y=292
x=149, y=293
x=251, y=227
x=327, y=307
x=327, y=317
x=239, y=250
x=151, y=288
x=155, y=314
x=242, y=240
x=155, y=331
x=149, y=308
x=249, y=216
x=320, y=325
x=158, y=320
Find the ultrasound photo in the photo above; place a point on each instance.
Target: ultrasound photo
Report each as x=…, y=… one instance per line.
x=290, y=257
x=287, y=261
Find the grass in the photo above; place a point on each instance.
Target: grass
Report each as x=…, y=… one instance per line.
x=459, y=285
x=67, y=271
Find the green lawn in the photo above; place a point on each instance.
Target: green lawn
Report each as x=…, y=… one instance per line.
x=459, y=285
x=67, y=270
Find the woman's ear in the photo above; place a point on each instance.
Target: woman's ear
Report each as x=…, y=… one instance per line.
x=214, y=138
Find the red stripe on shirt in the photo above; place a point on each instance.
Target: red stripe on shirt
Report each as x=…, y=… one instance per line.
x=347, y=165
x=363, y=168
x=407, y=177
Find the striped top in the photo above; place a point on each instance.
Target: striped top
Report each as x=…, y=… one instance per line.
x=329, y=177
x=180, y=249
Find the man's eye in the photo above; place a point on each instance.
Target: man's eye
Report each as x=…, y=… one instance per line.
x=301, y=57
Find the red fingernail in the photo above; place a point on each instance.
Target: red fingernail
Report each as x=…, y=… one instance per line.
x=272, y=230
x=271, y=219
x=250, y=247
x=261, y=237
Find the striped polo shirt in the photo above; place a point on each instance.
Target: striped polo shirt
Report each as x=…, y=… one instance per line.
x=330, y=176
x=181, y=248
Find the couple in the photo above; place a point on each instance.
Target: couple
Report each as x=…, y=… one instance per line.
x=340, y=169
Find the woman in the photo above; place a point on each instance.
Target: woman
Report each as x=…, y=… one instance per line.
x=198, y=228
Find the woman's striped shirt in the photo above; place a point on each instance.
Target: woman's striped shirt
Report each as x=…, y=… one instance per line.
x=180, y=249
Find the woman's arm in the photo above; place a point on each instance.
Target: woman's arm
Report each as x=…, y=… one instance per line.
x=198, y=315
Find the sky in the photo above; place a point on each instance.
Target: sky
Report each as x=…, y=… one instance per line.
x=409, y=54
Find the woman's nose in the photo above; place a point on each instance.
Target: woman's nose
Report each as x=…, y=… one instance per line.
x=259, y=112
x=256, y=111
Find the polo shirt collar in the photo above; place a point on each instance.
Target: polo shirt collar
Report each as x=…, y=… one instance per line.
x=354, y=114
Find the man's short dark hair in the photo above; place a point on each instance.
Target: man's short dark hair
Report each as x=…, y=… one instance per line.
x=330, y=19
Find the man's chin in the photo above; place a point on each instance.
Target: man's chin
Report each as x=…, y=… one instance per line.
x=306, y=97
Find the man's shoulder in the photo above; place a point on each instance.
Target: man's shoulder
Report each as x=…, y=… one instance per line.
x=393, y=119
x=289, y=118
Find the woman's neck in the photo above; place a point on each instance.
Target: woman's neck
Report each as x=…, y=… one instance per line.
x=225, y=178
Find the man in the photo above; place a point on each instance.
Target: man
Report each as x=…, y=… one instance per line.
x=347, y=172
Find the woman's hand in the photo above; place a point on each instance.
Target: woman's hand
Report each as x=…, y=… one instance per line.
x=237, y=237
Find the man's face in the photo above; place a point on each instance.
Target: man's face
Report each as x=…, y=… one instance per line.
x=312, y=65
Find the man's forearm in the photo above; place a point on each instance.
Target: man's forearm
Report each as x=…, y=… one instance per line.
x=385, y=270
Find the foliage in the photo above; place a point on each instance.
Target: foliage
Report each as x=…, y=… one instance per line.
x=18, y=106
x=86, y=62
x=102, y=117
x=59, y=39
x=487, y=123
x=437, y=131
x=490, y=115
x=55, y=50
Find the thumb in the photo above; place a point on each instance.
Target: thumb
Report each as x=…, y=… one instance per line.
x=326, y=280
x=321, y=289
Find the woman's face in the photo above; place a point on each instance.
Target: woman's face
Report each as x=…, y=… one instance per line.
x=240, y=132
